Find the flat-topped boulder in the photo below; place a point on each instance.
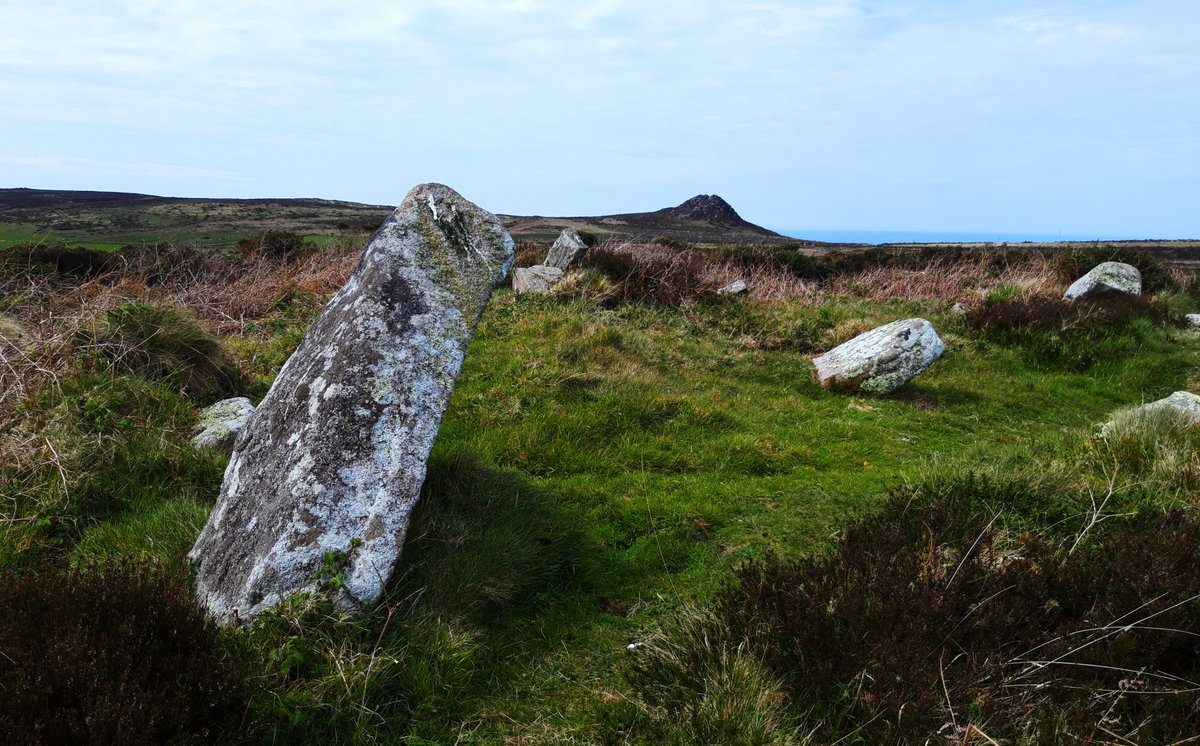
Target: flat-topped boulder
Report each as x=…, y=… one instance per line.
x=567, y=249
x=881, y=360
x=536, y=279
x=1107, y=278
x=332, y=462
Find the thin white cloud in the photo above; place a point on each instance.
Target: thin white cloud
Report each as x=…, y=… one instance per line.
x=613, y=101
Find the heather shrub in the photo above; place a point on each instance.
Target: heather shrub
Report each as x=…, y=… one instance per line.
x=788, y=258
x=652, y=273
x=529, y=253
x=113, y=654
x=272, y=244
x=945, y=610
x=54, y=258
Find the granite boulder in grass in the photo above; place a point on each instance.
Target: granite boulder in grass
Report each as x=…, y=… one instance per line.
x=881, y=360
x=323, y=480
x=1107, y=278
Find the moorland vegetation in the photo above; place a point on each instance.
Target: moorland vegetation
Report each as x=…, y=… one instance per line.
x=643, y=521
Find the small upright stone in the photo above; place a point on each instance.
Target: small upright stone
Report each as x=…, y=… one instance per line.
x=332, y=462
x=536, y=279
x=568, y=248
x=221, y=423
x=1193, y=319
x=1106, y=278
x=881, y=360
x=737, y=287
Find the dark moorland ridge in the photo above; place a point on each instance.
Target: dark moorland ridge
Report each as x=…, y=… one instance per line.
x=97, y=216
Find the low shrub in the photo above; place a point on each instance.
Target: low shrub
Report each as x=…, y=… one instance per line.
x=55, y=258
x=938, y=614
x=113, y=654
x=652, y=273
x=272, y=244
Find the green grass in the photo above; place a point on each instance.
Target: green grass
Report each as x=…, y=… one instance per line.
x=598, y=469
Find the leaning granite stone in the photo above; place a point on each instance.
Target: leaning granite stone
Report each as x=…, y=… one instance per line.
x=737, y=287
x=567, y=249
x=536, y=279
x=322, y=481
x=1105, y=278
x=881, y=360
x=1193, y=319
x=221, y=423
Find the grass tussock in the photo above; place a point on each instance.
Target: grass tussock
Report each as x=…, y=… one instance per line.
x=1156, y=449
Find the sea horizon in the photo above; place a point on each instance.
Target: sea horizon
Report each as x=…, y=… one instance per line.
x=850, y=235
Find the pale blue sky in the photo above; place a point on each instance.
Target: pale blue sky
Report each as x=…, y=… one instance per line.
x=1022, y=116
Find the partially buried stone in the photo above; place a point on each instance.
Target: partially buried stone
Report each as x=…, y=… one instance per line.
x=1106, y=278
x=881, y=360
x=221, y=423
x=327, y=472
x=737, y=287
x=1193, y=319
x=536, y=279
x=567, y=249
x=1184, y=402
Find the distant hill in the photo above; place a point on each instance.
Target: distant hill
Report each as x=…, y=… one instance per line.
x=705, y=218
x=120, y=217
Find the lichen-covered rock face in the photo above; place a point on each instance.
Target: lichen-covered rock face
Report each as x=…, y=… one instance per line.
x=881, y=360
x=329, y=468
x=567, y=249
x=221, y=423
x=536, y=279
x=1108, y=277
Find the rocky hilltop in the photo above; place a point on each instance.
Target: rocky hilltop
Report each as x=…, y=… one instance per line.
x=705, y=218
